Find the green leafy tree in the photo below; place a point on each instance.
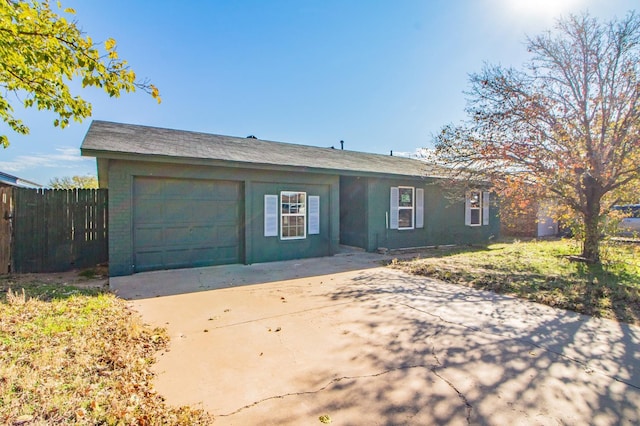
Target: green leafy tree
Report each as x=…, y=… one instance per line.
x=41, y=51
x=71, y=182
x=566, y=127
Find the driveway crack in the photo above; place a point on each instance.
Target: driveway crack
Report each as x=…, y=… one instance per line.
x=338, y=379
x=463, y=398
x=433, y=369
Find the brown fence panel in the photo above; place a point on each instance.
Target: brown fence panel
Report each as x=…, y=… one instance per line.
x=59, y=230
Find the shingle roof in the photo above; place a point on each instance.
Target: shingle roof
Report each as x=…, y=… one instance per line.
x=107, y=139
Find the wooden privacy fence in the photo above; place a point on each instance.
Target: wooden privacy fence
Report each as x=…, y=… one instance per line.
x=58, y=230
x=6, y=209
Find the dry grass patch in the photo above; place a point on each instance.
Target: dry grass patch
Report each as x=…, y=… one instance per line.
x=541, y=271
x=80, y=359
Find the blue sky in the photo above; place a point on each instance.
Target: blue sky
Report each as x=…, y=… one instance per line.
x=380, y=75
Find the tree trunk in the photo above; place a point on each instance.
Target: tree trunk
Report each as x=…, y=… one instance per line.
x=591, y=243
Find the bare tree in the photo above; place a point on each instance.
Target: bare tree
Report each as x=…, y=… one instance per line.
x=566, y=126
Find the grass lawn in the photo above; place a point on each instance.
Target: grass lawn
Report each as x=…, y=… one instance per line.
x=541, y=271
x=78, y=356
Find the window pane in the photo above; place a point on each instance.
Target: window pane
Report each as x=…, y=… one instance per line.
x=406, y=197
x=293, y=214
x=474, y=200
x=475, y=216
x=405, y=218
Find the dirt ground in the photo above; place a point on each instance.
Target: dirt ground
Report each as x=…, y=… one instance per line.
x=94, y=278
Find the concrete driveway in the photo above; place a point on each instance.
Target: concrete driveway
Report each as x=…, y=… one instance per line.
x=371, y=345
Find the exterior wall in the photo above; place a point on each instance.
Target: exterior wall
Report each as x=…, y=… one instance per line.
x=353, y=209
x=269, y=249
x=519, y=223
x=535, y=221
x=256, y=183
x=444, y=219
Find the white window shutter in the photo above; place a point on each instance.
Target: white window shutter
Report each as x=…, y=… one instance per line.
x=467, y=210
x=270, y=215
x=314, y=214
x=393, y=208
x=485, y=208
x=419, y=208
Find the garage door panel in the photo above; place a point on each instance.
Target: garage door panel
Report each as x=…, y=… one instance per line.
x=148, y=261
x=149, y=236
x=224, y=192
x=192, y=236
x=201, y=211
x=142, y=209
x=178, y=236
x=183, y=223
x=227, y=235
x=203, y=235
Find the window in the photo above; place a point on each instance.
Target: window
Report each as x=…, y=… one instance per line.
x=406, y=208
x=477, y=208
x=293, y=218
x=474, y=208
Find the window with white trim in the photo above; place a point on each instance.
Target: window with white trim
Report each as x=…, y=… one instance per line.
x=293, y=215
x=406, y=209
x=476, y=208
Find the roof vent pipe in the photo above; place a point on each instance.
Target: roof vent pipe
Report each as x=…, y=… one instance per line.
x=341, y=144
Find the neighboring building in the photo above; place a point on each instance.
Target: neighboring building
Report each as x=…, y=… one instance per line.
x=183, y=199
x=9, y=180
x=535, y=222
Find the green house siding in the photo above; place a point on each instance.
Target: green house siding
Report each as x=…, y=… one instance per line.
x=272, y=248
x=169, y=215
x=219, y=218
x=444, y=219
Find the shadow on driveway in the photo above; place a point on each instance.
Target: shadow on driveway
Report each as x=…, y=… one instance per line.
x=378, y=346
x=181, y=281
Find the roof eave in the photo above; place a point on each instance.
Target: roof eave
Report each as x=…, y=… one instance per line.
x=124, y=156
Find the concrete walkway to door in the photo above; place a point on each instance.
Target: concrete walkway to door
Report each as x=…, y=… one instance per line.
x=371, y=345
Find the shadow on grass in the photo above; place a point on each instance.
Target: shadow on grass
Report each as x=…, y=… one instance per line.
x=543, y=274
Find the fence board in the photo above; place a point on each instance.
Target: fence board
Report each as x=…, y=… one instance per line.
x=59, y=230
x=6, y=203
